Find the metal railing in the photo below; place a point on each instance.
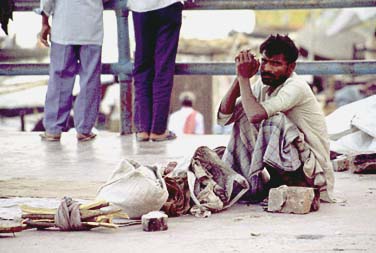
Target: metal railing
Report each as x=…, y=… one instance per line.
x=27, y=5
x=123, y=68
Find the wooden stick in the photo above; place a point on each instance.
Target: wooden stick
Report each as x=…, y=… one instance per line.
x=85, y=214
x=7, y=226
x=39, y=225
x=100, y=224
x=45, y=220
x=95, y=205
x=88, y=214
x=104, y=218
x=35, y=210
x=37, y=216
x=128, y=223
x=120, y=215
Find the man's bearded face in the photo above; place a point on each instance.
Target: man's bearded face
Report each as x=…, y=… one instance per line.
x=274, y=69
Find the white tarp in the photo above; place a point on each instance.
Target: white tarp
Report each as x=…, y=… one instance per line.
x=352, y=127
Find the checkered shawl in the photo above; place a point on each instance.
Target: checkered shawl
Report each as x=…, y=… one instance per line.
x=276, y=142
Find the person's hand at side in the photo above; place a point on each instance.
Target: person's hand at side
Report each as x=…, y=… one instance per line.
x=44, y=35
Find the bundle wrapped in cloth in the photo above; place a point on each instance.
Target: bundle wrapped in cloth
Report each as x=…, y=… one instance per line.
x=135, y=188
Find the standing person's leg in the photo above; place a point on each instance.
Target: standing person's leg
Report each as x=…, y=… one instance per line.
x=165, y=55
x=58, y=103
x=143, y=72
x=86, y=106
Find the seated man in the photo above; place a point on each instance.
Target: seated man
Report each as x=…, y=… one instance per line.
x=279, y=134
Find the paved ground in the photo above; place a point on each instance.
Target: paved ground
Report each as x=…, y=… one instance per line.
x=30, y=167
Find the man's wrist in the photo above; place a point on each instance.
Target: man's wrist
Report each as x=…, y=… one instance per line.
x=242, y=79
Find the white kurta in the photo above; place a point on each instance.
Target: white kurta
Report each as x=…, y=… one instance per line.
x=75, y=22
x=177, y=121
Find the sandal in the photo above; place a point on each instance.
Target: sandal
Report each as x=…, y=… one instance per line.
x=170, y=136
x=85, y=137
x=50, y=137
x=142, y=138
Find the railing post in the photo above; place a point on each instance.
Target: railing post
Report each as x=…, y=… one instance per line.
x=125, y=80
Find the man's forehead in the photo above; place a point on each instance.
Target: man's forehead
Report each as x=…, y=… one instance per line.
x=274, y=57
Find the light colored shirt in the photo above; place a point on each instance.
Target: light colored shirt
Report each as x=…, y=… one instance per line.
x=296, y=100
x=75, y=22
x=177, y=121
x=149, y=5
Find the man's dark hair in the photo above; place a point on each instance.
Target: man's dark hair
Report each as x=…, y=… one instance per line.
x=187, y=98
x=187, y=102
x=278, y=44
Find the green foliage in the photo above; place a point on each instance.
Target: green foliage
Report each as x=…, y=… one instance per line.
x=6, y=10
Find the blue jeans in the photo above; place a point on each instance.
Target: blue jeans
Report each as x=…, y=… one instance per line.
x=157, y=37
x=66, y=61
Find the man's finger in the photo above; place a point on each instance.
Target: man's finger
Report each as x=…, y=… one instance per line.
x=44, y=42
x=242, y=57
x=250, y=57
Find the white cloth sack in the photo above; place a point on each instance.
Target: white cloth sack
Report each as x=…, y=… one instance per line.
x=352, y=127
x=354, y=143
x=341, y=121
x=365, y=120
x=134, y=188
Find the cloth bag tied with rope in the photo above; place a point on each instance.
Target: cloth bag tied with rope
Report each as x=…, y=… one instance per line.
x=136, y=189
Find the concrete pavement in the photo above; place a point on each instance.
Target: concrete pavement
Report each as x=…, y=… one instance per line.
x=32, y=168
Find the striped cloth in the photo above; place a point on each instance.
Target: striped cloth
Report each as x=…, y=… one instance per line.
x=275, y=142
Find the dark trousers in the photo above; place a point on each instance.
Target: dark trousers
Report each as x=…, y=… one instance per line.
x=157, y=37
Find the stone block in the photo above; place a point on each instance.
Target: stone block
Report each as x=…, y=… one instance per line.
x=341, y=163
x=154, y=221
x=293, y=199
x=363, y=163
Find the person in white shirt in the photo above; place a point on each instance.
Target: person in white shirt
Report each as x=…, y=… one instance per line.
x=76, y=37
x=157, y=26
x=186, y=120
x=279, y=135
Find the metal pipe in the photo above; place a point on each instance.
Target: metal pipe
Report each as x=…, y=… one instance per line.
x=125, y=78
x=354, y=67
x=277, y=4
x=357, y=67
x=28, y=5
